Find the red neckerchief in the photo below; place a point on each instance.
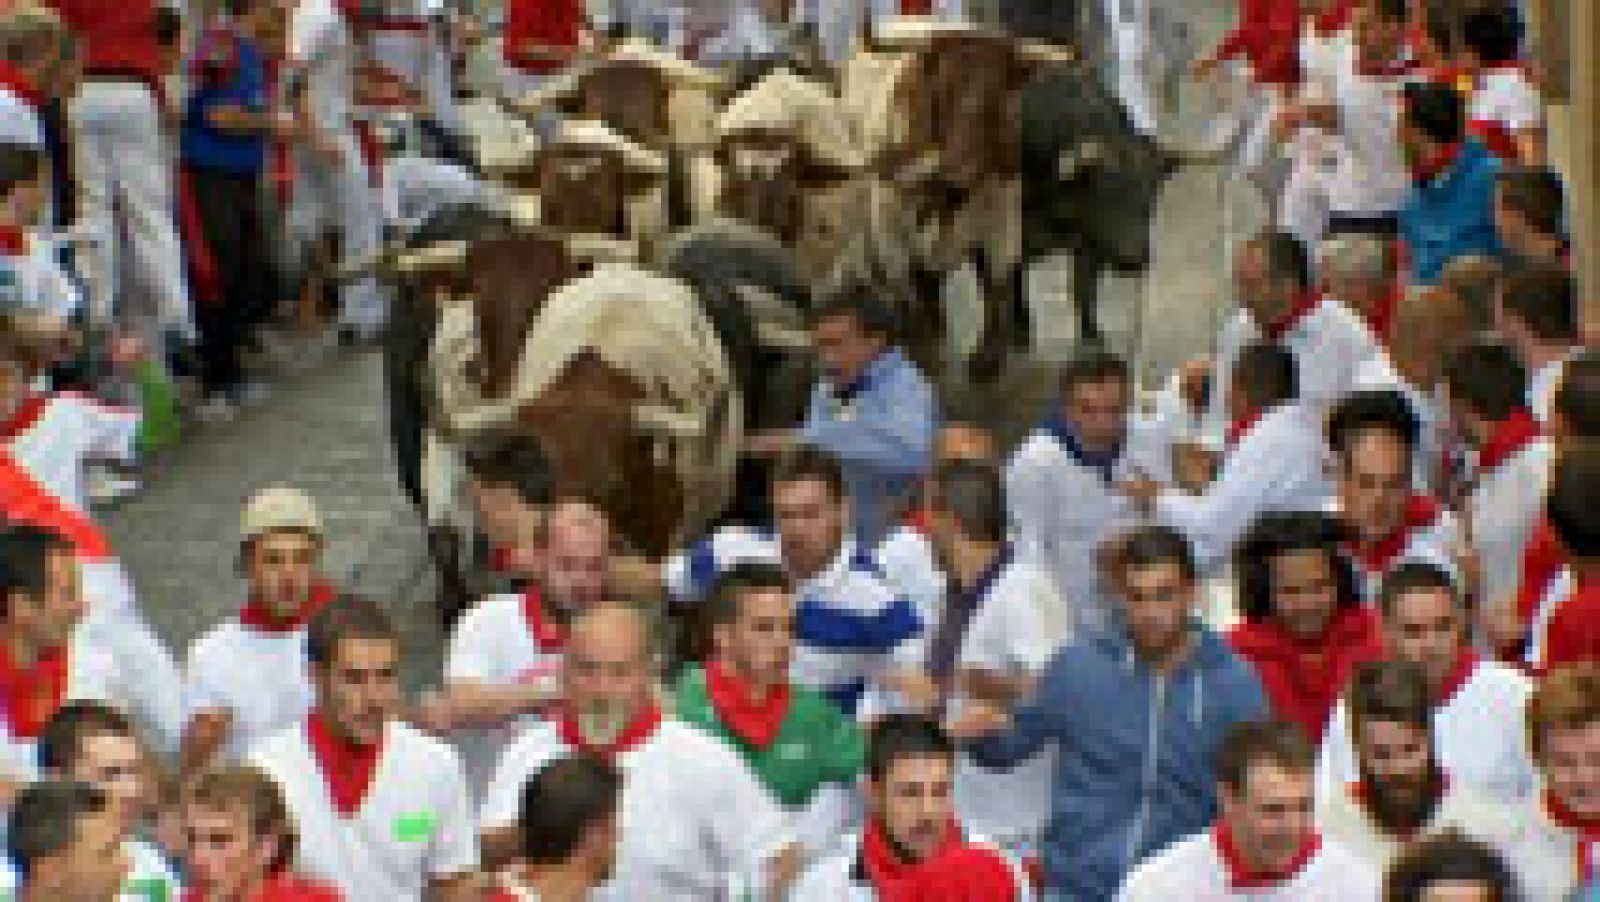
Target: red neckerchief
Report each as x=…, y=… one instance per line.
x=30, y=696
x=895, y=880
x=548, y=633
x=1587, y=830
x=1238, y=429
x=24, y=417
x=1506, y=439
x=757, y=723
x=1377, y=557
x=1542, y=561
x=918, y=519
x=13, y=241
x=1304, y=305
x=634, y=735
x=256, y=615
x=280, y=887
x=1335, y=19
x=1362, y=795
x=1436, y=164
x=1242, y=876
x=1465, y=666
x=1304, y=679
x=348, y=768
x=12, y=79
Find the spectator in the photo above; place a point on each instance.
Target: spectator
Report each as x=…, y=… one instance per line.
x=1402, y=793
x=990, y=633
x=1509, y=463
x=1304, y=624
x=914, y=845
x=1165, y=688
x=228, y=119
x=703, y=819
x=1374, y=438
x=1530, y=216
x=1265, y=841
x=801, y=747
x=1451, y=210
x=241, y=841
x=66, y=843
x=382, y=809
x=568, y=825
x=1446, y=864
x=1536, y=312
x=1061, y=482
x=1506, y=112
x=247, y=677
x=1427, y=623
x=851, y=621
x=873, y=410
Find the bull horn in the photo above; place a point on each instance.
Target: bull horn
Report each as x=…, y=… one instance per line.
x=781, y=337
x=432, y=258
x=663, y=420
x=1046, y=53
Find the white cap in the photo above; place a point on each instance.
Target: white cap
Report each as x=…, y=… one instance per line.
x=279, y=507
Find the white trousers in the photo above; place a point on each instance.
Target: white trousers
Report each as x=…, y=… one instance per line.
x=339, y=198
x=125, y=177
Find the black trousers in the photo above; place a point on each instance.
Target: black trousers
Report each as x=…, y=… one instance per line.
x=233, y=230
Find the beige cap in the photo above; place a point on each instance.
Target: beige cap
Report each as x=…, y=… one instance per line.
x=279, y=507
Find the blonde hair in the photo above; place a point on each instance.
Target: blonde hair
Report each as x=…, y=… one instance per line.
x=249, y=788
x=1568, y=698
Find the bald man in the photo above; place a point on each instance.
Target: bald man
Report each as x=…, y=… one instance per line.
x=503, y=667
x=696, y=822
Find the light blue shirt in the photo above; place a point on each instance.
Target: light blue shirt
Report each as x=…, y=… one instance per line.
x=882, y=436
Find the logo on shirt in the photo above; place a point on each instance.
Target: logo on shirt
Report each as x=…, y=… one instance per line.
x=148, y=890
x=416, y=827
x=792, y=751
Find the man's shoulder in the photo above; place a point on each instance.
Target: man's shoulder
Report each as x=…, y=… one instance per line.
x=491, y=610
x=1166, y=874
x=274, y=751
x=422, y=751
x=1500, y=680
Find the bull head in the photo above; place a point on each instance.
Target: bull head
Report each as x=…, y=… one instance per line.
x=765, y=176
x=511, y=277
x=584, y=191
x=961, y=100
x=630, y=96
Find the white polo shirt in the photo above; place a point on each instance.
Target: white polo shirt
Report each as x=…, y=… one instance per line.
x=414, y=825
x=52, y=436
x=696, y=822
x=1063, y=509
x=261, y=678
x=1478, y=737
x=1344, y=819
x=1195, y=869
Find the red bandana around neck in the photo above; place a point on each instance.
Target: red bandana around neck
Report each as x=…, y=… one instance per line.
x=1305, y=304
x=1238, y=429
x=280, y=887
x=1507, y=438
x=1377, y=557
x=755, y=722
x=1243, y=876
x=634, y=735
x=261, y=618
x=13, y=241
x=347, y=767
x=1465, y=666
x=1435, y=164
x=14, y=80
x=24, y=417
x=1586, y=830
x=956, y=871
x=548, y=633
x=1335, y=19
x=31, y=695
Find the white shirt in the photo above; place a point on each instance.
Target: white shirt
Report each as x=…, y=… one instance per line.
x=1434, y=542
x=1281, y=464
x=1345, y=820
x=1556, y=593
x=1478, y=737
x=34, y=280
x=1193, y=870
x=324, y=50
x=696, y=822
x=1014, y=632
x=1506, y=96
x=1370, y=177
x=68, y=431
x=1062, y=510
x=92, y=675
x=1503, y=507
x=261, y=678
x=1546, y=856
x=833, y=879
x=414, y=825
x=1328, y=344
x=1544, y=382
x=19, y=121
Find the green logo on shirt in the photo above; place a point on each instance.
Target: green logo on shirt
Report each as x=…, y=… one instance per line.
x=416, y=827
x=148, y=890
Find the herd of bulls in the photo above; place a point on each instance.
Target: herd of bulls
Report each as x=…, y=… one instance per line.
x=640, y=302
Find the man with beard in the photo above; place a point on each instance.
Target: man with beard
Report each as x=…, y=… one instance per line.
x=1403, y=794
x=1427, y=622
x=800, y=745
x=381, y=808
x=568, y=828
x=247, y=677
x=914, y=846
x=696, y=821
x=1265, y=845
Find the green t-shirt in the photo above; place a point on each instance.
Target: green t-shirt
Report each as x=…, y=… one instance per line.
x=817, y=744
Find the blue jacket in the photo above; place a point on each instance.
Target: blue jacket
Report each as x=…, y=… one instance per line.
x=1453, y=215
x=1134, y=769
x=882, y=435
